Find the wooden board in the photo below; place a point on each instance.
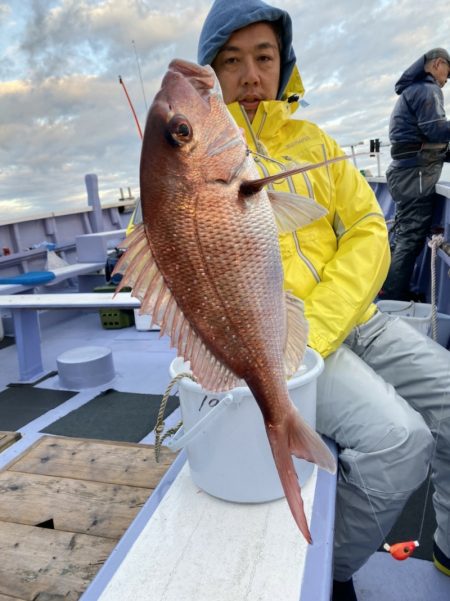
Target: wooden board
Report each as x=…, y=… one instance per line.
x=7, y=439
x=37, y=560
x=8, y=598
x=64, y=504
x=99, y=461
x=72, y=505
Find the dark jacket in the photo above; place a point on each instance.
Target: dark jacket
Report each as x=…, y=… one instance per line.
x=418, y=130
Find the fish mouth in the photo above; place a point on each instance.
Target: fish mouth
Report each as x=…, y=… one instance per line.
x=202, y=79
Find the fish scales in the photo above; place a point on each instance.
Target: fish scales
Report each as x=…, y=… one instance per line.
x=218, y=257
x=218, y=260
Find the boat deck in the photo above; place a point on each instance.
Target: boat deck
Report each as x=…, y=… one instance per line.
x=125, y=575
x=64, y=505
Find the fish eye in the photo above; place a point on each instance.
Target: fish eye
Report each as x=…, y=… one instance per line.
x=179, y=131
x=183, y=129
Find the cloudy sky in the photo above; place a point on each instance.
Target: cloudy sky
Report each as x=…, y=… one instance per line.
x=63, y=113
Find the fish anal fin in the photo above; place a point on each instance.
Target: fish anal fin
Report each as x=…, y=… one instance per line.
x=210, y=372
x=140, y=272
x=297, y=334
x=293, y=211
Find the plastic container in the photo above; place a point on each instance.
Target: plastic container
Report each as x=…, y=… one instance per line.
x=143, y=322
x=225, y=438
x=114, y=319
x=85, y=367
x=417, y=314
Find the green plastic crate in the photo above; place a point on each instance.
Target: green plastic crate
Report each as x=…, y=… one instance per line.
x=114, y=319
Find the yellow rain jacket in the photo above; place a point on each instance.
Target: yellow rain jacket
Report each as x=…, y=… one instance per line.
x=336, y=264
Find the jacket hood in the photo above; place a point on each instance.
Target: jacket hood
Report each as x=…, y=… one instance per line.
x=227, y=16
x=413, y=73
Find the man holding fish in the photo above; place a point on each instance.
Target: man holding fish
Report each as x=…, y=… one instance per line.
x=384, y=392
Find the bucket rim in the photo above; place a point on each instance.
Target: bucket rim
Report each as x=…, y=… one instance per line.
x=396, y=306
x=303, y=378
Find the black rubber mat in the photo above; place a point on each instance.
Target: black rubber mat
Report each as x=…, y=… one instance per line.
x=113, y=415
x=7, y=341
x=22, y=404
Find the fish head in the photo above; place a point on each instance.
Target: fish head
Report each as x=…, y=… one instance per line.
x=189, y=134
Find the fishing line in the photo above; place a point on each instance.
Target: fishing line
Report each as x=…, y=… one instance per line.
x=281, y=177
x=402, y=550
x=140, y=75
x=438, y=431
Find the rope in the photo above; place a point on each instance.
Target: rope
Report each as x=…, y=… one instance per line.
x=434, y=243
x=159, y=427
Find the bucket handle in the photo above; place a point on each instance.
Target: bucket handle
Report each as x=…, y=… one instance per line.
x=159, y=427
x=181, y=438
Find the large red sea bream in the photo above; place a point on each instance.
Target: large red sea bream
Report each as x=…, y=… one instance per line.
x=206, y=264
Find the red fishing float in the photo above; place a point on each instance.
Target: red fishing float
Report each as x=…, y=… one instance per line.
x=401, y=551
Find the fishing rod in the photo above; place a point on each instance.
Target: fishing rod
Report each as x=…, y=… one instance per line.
x=131, y=106
x=142, y=87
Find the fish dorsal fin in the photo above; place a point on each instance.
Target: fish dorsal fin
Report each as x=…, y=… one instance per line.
x=297, y=334
x=293, y=211
x=141, y=273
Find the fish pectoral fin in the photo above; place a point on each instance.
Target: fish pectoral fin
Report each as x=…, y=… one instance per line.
x=297, y=334
x=293, y=211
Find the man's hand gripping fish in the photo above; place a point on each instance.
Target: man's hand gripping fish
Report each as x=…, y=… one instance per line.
x=206, y=263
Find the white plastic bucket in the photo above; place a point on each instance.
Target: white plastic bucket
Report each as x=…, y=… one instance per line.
x=225, y=439
x=417, y=314
x=143, y=322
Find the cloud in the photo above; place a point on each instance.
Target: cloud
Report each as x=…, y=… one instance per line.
x=63, y=113
x=68, y=115
x=88, y=37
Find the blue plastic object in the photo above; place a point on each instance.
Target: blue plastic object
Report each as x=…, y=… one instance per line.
x=32, y=278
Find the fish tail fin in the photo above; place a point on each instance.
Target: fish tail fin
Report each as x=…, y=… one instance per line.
x=305, y=443
x=297, y=438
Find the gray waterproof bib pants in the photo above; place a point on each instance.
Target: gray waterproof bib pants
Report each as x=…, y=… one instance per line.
x=382, y=397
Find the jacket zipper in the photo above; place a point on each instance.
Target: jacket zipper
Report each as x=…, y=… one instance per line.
x=303, y=257
x=260, y=149
x=291, y=188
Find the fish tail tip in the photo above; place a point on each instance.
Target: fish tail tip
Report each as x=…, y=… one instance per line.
x=299, y=516
x=307, y=535
x=289, y=480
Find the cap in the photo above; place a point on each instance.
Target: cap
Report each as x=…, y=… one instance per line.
x=437, y=53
